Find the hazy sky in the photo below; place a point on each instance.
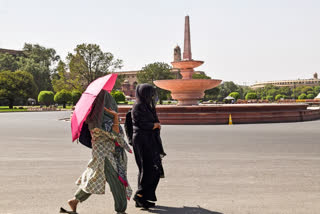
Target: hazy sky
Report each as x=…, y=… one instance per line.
x=239, y=40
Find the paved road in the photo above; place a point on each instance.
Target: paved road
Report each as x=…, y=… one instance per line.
x=240, y=169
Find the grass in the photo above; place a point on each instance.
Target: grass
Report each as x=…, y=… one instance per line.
x=67, y=107
x=15, y=109
x=25, y=108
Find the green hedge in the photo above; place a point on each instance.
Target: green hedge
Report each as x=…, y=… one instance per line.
x=46, y=97
x=118, y=96
x=251, y=96
x=63, y=97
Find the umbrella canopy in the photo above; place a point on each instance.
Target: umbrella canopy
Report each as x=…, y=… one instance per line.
x=317, y=97
x=83, y=107
x=229, y=98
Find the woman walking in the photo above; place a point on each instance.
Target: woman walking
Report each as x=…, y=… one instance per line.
x=109, y=160
x=147, y=145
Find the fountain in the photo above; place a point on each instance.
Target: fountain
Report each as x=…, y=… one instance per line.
x=187, y=90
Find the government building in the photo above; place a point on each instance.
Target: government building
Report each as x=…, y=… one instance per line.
x=290, y=83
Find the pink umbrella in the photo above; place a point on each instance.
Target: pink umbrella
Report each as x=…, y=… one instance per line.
x=84, y=105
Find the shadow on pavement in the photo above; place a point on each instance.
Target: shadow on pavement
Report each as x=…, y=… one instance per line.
x=181, y=210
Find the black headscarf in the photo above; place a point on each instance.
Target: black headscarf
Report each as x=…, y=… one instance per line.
x=147, y=94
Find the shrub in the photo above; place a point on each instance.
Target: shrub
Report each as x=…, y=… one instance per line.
x=310, y=92
x=310, y=96
x=118, y=96
x=75, y=96
x=279, y=96
x=302, y=96
x=235, y=95
x=46, y=97
x=269, y=97
x=251, y=96
x=63, y=97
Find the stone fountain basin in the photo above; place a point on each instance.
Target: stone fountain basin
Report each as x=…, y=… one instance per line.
x=187, y=85
x=187, y=64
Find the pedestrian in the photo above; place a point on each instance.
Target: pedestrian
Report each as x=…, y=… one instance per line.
x=109, y=160
x=147, y=145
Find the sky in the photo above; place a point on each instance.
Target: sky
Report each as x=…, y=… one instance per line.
x=243, y=41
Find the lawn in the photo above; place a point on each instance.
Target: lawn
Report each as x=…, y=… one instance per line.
x=15, y=109
x=24, y=108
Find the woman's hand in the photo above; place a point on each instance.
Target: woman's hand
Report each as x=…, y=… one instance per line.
x=156, y=126
x=115, y=126
x=110, y=111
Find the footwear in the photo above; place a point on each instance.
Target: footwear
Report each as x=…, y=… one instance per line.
x=62, y=210
x=150, y=204
x=140, y=202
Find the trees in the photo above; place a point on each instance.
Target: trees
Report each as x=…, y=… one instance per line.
x=212, y=94
x=251, y=96
x=119, y=81
x=156, y=71
x=302, y=96
x=36, y=60
x=269, y=98
x=224, y=90
x=200, y=76
x=118, y=96
x=39, y=61
x=16, y=85
x=8, y=62
x=63, y=97
x=316, y=90
x=235, y=95
x=46, y=97
x=75, y=96
x=89, y=62
x=279, y=96
x=285, y=91
x=66, y=80
x=310, y=96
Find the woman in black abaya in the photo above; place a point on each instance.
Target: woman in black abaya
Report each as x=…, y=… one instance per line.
x=147, y=145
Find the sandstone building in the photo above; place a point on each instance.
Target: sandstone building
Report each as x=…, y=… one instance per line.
x=290, y=83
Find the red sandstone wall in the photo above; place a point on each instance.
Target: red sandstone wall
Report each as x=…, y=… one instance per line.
x=240, y=114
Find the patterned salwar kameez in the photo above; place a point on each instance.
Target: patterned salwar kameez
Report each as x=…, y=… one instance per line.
x=109, y=159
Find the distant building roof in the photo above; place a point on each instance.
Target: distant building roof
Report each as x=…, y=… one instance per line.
x=126, y=72
x=288, y=83
x=11, y=52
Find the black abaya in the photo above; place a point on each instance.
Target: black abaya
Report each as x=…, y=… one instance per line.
x=146, y=144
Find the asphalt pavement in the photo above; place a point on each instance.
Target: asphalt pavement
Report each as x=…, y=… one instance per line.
x=217, y=169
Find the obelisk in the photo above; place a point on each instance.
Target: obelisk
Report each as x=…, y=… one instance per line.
x=187, y=40
x=187, y=90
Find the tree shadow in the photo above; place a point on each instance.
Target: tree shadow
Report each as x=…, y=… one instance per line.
x=181, y=210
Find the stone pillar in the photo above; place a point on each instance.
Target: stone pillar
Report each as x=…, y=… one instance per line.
x=177, y=54
x=187, y=40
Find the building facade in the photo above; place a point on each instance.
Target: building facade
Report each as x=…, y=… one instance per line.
x=290, y=83
x=128, y=87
